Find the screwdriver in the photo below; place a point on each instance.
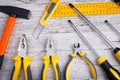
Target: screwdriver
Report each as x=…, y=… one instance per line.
x=45, y=17
x=111, y=72
x=111, y=26
x=116, y=50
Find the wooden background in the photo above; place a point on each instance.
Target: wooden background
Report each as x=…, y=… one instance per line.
x=63, y=35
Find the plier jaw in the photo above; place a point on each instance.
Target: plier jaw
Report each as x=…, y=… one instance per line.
x=76, y=48
x=50, y=49
x=22, y=49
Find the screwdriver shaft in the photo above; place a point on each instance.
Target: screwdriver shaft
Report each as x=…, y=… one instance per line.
x=90, y=24
x=112, y=27
x=83, y=38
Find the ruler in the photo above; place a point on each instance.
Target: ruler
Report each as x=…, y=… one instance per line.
x=102, y=8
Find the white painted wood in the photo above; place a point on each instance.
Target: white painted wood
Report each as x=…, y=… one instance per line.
x=63, y=35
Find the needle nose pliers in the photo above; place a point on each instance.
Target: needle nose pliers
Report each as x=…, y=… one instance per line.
x=77, y=51
x=50, y=58
x=22, y=59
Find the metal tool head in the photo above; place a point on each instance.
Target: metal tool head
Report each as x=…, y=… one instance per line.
x=50, y=49
x=23, y=47
x=16, y=12
x=76, y=48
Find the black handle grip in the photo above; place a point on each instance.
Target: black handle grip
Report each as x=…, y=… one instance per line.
x=1, y=60
x=59, y=72
x=29, y=73
x=111, y=72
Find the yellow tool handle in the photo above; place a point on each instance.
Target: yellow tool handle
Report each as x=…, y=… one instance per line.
x=71, y=60
x=90, y=64
x=49, y=11
x=111, y=72
x=101, y=8
x=26, y=64
x=56, y=67
x=46, y=62
x=117, y=53
x=17, y=67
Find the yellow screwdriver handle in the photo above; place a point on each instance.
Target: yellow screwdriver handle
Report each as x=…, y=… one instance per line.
x=56, y=67
x=117, y=53
x=26, y=64
x=46, y=62
x=71, y=60
x=90, y=64
x=112, y=73
x=49, y=11
x=17, y=67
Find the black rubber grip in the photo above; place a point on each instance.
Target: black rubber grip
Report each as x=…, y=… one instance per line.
x=12, y=73
x=29, y=74
x=59, y=72
x=42, y=72
x=15, y=11
x=1, y=60
x=70, y=59
x=106, y=66
x=116, y=50
x=51, y=7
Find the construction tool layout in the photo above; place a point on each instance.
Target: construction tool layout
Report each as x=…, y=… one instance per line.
x=116, y=50
x=112, y=73
x=13, y=13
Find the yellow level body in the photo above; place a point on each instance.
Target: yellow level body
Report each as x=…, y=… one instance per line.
x=100, y=8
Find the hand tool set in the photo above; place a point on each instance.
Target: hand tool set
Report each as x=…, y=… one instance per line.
x=112, y=73
x=53, y=9
x=13, y=13
x=116, y=50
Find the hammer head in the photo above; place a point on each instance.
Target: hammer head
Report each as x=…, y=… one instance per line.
x=16, y=12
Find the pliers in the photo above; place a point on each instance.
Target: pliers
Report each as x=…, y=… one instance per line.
x=22, y=59
x=50, y=57
x=77, y=50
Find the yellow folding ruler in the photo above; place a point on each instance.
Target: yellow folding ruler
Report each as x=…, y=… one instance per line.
x=87, y=9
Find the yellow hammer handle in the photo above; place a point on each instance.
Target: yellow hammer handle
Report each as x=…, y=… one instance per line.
x=90, y=64
x=46, y=62
x=26, y=64
x=49, y=11
x=71, y=60
x=56, y=67
x=17, y=67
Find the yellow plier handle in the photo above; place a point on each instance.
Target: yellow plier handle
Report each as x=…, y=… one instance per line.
x=17, y=67
x=71, y=60
x=26, y=64
x=46, y=62
x=56, y=67
x=54, y=60
x=90, y=64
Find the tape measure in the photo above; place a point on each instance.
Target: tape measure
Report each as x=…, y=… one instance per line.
x=87, y=9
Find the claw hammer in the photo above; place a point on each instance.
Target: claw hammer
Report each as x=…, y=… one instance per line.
x=13, y=13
